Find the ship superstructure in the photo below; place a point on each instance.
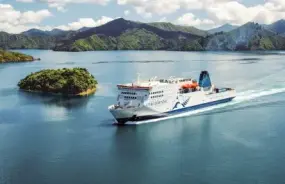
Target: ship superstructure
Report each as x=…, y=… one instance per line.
x=158, y=98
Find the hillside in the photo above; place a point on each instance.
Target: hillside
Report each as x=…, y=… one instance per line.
x=20, y=41
x=250, y=36
x=74, y=82
x=38, y=32
x=171, y=27
x=223, y=28
x=7, y=56
x=122, y=34
x=277, y=27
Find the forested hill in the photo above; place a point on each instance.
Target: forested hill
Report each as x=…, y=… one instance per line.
x=7, y=56
x=121, y=34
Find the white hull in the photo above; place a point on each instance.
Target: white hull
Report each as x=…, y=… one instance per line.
x=166, y=97
x=139, y=114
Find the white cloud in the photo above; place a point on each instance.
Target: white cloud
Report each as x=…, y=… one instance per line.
x=60, y=4
x=25, y=1
x=189, y=19
x=15, y=21
x=85, y=22
x=164, y=7
x=275, y=5
x=219, y=11
x=163, y=19
x=126, y=12
x=236, y=13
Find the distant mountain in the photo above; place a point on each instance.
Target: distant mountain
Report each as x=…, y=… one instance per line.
x=223, y=28
x=125, y=34
x=83, y=29
x=171, y=27
x=277, y=27
x=35, y=32
x=117, y=27
x=250, y=36
x=38, y=32
x=121, y=34
x=57, y=32
x=21, y=41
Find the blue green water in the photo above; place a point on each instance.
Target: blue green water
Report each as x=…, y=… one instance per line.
x=52, y=140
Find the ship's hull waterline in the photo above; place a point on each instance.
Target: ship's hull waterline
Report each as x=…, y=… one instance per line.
x=131, y=118
x=157, y=99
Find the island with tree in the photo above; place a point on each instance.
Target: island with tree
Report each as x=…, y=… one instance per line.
x=8, y=56
x=66, y=81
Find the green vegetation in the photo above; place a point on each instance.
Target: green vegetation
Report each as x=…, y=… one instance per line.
x=250, y=36
x=21, y=41
x=74, y=82
x=139, y=39
x=171, y=27
x=7, y=56
x=133, y=39
x=121, y=34
x=94, y=43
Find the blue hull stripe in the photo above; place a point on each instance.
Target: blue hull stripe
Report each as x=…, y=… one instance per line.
x=200, y=106
x=173, y=112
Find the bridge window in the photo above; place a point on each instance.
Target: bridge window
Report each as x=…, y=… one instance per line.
x=129, y=93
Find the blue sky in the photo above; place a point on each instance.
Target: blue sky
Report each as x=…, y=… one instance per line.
x=73, y=14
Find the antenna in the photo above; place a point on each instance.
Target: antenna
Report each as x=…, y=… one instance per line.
x=138, y=78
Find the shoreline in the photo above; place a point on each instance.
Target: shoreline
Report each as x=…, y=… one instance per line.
x=82, y=94
x=20, y=61
x=7, y=56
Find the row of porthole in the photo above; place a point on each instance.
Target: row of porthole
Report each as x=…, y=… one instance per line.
x=158, y=102
x=130, y=97
x=157, y=96
x=128, y=93
x=157, y=92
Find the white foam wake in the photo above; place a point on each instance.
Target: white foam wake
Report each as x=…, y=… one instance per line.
x=241, y=97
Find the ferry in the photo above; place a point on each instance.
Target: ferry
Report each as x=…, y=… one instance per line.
x=159, y=98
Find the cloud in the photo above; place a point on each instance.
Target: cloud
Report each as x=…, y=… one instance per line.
x=218, y=11
x=126, y=12
x=275, y=5
x=236, y=13
x=60, y=4
x=25, y=1
x=164, y=7
x=85, y=22
x=15, y=21
x=190, y=19
x=163, y=19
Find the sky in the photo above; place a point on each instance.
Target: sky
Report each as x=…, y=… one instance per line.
x=20, y=15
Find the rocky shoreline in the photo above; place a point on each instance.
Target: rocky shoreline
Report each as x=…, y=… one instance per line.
x=15, y=57
x=66, y=81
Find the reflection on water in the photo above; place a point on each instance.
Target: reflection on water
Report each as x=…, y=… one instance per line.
x=54, y=100
x=146, y=61
x=56, y=140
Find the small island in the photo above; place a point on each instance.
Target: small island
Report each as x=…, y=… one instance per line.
x=7, y=56
x=67, y=82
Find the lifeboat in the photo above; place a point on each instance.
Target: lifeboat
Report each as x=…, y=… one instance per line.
x=190, y=85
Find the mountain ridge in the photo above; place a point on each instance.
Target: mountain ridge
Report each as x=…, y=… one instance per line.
x=121, y=34
x=224, y=28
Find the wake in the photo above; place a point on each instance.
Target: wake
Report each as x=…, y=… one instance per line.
x=241, y=98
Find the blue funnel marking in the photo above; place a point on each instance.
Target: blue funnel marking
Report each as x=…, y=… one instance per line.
x=205, y=81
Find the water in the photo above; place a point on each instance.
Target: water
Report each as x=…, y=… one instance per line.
x=52, y=140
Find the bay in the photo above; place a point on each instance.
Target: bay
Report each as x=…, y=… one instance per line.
x=46, y=139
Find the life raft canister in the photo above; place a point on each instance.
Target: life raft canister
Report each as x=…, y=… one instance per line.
x=190, y=85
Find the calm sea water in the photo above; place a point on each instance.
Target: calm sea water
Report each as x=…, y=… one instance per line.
x=52, y=140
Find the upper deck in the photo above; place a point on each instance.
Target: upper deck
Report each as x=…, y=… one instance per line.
x=154, y=82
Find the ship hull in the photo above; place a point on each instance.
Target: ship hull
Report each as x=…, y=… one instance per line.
x=135, y=116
